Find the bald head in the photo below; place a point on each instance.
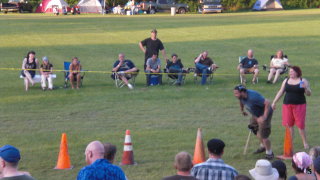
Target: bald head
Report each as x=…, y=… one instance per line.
x=94, y=151
x=183, y=161
x=250, y=53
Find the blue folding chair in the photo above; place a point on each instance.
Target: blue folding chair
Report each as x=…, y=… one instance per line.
x=66, y=72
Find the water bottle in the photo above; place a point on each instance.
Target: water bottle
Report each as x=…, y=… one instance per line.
x=301, y=84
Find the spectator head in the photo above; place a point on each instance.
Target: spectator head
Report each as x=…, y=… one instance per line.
x=9, y=156
x=205, y=54
x=31, y=55
x=250, y=53
x=242, y=177
x=94, y=151
x=75, y=60
x=295, y=72
x=301, y=162
x=281, y=168
x=316, y=165
x=314, y=152
x=154, y=33
x=240, y=91
x=183, y=162
x=110, y=151
x=45, y=59
x=174, y=57
x=264, y=171
x=121, y=57
x=280, y=54
x=215, y=147
x=154, y=56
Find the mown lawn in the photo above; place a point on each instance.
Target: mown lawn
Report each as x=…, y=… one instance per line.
x=163, y=120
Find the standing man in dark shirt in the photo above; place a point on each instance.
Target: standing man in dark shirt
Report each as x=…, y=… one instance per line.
x=261, y=111
x=151, y=45
x=248, y=65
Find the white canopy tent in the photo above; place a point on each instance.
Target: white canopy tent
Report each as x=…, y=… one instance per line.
x=90, y=6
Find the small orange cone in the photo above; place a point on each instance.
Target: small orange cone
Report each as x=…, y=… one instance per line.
x=63, y=158
x=199, y=153
x=127, y=156
x=287, y=146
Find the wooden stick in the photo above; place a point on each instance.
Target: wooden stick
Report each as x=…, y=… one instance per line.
x=247, y=143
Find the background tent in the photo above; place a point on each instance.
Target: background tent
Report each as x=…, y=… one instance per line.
x=90, y=6
x=46, y=6
x=267, y=5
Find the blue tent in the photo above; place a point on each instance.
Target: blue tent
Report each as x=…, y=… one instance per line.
x=261, y=5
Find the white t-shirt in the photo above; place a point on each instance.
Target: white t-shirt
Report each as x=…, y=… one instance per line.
x=279, y=63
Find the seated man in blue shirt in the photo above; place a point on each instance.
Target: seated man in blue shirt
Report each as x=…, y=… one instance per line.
x=175, y=66
x=125, y=69
x=248, y=65
x=214, y=168
x=153, y=69
x=261, y=111
x=99, y=168
x=204, y=65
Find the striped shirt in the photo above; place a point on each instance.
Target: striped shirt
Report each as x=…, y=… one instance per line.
x=214, y=169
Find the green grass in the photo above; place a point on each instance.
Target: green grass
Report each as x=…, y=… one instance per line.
x=163, y=120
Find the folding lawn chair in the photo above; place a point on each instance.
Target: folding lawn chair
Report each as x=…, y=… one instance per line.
x=66, y=72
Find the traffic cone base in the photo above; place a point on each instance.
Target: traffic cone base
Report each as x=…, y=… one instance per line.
x=287, y=146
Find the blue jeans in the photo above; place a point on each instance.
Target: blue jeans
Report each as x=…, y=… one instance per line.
x=203, y=69
x=179, y=74
x=148, y=76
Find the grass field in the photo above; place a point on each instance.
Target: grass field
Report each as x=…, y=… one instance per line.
x=163, y=120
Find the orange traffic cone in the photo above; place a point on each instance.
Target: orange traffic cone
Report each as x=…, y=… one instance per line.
x=63, y=159
x=287, y=146
x=199, y=153
x=127, y=156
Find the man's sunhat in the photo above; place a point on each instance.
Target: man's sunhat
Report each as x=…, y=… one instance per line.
x=264, y=171
x=10, y=154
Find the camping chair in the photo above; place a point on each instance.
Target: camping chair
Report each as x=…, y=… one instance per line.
x=240, y=78
x=285, y=70
x=130, y=76
x=66, y=72
x=198, y=75
x=173, y=77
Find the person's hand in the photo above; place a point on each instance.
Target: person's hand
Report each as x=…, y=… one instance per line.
x=273, y=106
x=244, y=113
x=261, y=119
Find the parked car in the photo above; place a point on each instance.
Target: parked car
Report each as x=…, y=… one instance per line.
x=15, y=6
x=163, y=6
x=210, y=6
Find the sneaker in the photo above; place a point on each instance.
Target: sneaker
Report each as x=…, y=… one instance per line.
x=130, y=86
x=260, y=150
x=269, y=156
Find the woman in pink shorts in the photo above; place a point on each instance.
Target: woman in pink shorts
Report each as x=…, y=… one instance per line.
x=294, y=103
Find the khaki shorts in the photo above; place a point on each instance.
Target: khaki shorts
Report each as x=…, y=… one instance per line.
x=264, y=130
x=249, y=70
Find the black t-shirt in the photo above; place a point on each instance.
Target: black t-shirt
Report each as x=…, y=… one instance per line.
x=46, y=68
x=179, y=177
x=248, y=63
x=151, y=47
x=176, y=65
x=294, y=94
x=206, y=61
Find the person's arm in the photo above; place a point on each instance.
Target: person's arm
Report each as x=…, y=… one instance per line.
x=142, y=48
x=306, y=86
x=70, y=68
x=24, y=64
x=256, y=65
x=198, y=58
x=51, y=70
x=266, y=108
x=41, y=71
x=279, y=94
x=271, y=64
x=116, y=66
x=158, y=69
x=242, y=109
x=164, y=54
x=37, y=63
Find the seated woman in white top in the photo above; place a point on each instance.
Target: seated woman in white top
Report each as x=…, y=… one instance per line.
x=277, y=66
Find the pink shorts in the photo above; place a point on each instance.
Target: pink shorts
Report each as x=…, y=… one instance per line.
x=294, y=114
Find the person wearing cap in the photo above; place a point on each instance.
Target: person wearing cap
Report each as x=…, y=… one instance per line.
x=98, y=167
x=214, y=168
x=204, y=66
x=260, y=122
x=281, y=167
x=176, y=66
x=46, y=70
x=301, y=163
x=316, y=167
x=264, y=171
x=183, y=164
x=151, y=45
x=9, y=159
